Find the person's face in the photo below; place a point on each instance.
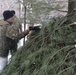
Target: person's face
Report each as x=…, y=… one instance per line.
x=11, y=19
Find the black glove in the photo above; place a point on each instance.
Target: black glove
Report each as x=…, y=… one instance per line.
x=34, y=28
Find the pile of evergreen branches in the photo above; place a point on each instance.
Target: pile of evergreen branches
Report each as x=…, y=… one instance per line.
x=49, y=51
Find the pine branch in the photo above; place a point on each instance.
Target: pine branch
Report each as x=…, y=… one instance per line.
x=65, y=69
x=62, y=62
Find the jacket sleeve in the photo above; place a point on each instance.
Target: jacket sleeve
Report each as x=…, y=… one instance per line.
x=13, y=33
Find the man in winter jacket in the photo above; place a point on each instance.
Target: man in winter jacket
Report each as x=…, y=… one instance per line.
x=9, y=33
x=14, y=44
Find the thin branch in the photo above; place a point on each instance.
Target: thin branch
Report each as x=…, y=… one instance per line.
x=65, y=69
x=62, y=62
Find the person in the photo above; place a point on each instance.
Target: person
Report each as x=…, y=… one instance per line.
x=14, y=44
x=8, y=32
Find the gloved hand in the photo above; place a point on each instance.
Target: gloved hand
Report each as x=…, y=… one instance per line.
x=34, y=28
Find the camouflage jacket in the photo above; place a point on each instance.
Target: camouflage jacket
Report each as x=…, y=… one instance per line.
x=11, y=32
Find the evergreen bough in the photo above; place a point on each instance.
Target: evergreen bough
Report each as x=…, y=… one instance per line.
x=49, y=51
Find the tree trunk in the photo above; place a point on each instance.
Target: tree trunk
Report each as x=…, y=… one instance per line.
x=24, y=21
x=71, y=6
